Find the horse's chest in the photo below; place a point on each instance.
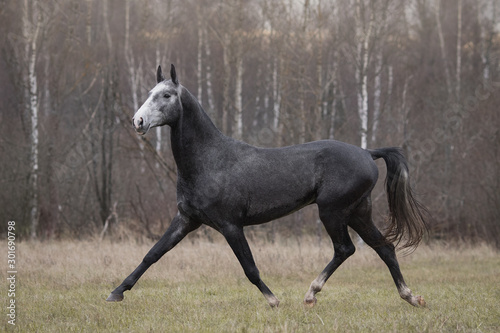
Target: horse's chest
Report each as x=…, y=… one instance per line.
x=206, y=201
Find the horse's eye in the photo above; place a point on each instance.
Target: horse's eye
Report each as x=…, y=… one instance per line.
x=166, y=96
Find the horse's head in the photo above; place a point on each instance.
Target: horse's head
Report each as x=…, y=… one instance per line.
x=163, y=105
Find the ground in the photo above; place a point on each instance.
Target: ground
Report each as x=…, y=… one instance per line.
x=199, y=286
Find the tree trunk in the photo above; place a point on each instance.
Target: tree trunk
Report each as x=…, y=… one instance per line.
x=443, y=50
x=459, y=49
x=276, y=96
x=377, y=92
x=88, y=23
x=238, y=100
x=129, y=57
x=336, y=98
x=31, y=31
x=208, y=71
x=361, y=72
x=486, y=38
x=199, y=58
x=226, y=103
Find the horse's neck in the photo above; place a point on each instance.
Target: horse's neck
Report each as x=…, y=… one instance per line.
x=193, y=135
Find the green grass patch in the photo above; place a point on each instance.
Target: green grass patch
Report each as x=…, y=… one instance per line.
x=200, y=287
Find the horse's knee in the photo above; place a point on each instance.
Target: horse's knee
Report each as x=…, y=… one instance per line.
x=150, y=258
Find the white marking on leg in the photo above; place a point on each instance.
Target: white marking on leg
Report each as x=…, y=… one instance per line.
x=272, y=300
x=406, y=294
x=315, y=288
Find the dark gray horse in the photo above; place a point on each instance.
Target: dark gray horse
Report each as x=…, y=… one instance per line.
x=228, y=184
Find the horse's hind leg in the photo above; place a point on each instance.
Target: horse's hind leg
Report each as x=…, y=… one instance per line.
x=361, y=222
x=336, y=225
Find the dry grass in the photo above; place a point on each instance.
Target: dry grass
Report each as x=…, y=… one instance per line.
x=199, y=286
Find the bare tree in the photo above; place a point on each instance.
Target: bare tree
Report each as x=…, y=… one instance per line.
x=419, y=73
x=442, y=45
x=459, y=50
x=363, y=35
x=32, y=25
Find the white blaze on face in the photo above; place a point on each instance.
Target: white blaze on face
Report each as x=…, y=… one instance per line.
x=149, y=114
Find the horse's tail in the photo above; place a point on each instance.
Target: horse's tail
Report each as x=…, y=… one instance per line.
x=407, y=216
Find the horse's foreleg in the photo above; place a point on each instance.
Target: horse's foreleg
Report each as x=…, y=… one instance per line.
x=343, y=247
x=236, y=239
x=177, y=230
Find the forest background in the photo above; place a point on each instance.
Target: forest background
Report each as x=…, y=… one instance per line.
x=420, y=74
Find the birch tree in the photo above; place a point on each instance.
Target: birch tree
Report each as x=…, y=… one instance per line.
x=134, y=71
x=363, y=35
x=31, y=26
x=199, y=58
x=239, y=41
x=487, y=33
x=274, y=43
x=208, y=71
x=238, y=98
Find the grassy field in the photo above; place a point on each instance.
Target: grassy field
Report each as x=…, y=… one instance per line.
x=199, y=286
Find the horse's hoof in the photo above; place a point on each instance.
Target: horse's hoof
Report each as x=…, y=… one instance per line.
x=310, y=302
x=274, y=305
x=115, y=297
x=421, y=301
x=274, y=302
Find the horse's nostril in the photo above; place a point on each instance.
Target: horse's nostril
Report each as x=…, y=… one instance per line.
x=139, y=123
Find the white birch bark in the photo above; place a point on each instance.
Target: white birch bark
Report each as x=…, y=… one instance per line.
x=129, y=58
x=363, y=41
x=336, y=82
x=238, y=100
x=276, y=96
x=484, y=43
x=226, y=54
x=321, y=88
x=46, y=90
x=30, y=32
x=208, y=71
x=199, y=67
x=34, y=138
x=486, y=37
x=376, y=96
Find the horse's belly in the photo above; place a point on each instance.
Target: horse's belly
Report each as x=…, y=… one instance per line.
x=269, y=198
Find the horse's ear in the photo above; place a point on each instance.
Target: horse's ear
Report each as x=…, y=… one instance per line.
x=173, y=75
x=159, y=75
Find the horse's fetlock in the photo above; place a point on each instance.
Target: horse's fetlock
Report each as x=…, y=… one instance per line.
x=405, y=293
x=316, y=287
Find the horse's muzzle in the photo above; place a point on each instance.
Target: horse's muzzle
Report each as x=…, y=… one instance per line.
x=138, y=125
